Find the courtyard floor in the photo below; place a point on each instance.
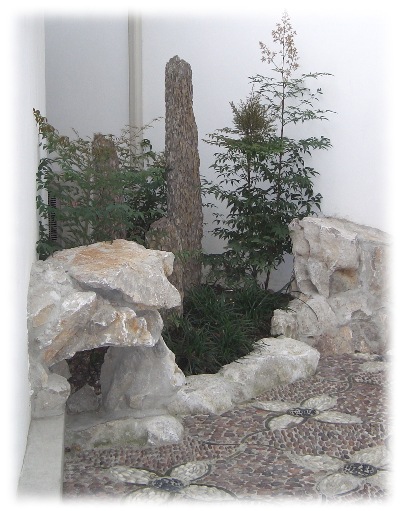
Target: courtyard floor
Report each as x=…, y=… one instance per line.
x=321, y=439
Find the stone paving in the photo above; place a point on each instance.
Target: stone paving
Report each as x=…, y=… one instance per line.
x=321, y=439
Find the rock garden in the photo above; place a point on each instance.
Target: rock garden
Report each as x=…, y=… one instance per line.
x=181, y=374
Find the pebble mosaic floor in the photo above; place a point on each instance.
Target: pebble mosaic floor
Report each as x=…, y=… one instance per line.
x=325, y=438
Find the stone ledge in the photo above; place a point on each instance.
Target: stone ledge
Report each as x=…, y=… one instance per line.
x=42, y=469
x=273, y=362
x=92, y=431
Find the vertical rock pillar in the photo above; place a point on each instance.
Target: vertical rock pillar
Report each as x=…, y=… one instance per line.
x=182, y=231
x=106, y=163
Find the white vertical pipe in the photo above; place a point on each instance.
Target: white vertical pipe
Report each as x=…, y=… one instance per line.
x=135, y=71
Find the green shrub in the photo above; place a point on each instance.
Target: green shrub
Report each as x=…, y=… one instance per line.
x=98, y=189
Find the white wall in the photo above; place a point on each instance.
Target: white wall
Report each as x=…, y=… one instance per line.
x=25, y=75
x=87, y=73
x=223, y=52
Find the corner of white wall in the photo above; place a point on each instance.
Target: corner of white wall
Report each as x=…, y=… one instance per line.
x=25, y=91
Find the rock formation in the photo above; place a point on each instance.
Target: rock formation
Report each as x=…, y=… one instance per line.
x=181, y=231
x=272, y=363
x=340, y=285
x=105, y=294
x=110, y=294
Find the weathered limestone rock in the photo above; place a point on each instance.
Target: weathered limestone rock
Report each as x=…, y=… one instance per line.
x=124, y=272
x=105, y=294
x=182, y=231
x=101, y=295
x=273, y=362
x=340, y=279
x=156, y=379
x=89, y=432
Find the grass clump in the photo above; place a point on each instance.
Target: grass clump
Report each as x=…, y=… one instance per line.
x=218, y=326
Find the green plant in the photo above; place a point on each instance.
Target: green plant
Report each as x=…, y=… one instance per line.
x=218, y=326
x=96, y=189
x=262, y=175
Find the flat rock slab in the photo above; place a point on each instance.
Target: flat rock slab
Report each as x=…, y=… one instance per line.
x=91, y=431
x=124, y=269
x=273, y=362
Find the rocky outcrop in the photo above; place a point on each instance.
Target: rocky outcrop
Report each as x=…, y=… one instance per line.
x=110, y=294
x=341, y=287
x=105, y=294
x=273, y=362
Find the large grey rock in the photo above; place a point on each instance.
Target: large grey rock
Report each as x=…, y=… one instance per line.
x=341, y=285
x=140, y=380
x=124, y=272
x=273, y=362
x=105, y=294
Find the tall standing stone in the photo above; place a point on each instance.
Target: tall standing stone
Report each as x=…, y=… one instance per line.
x=182, y=231
x=106, y=163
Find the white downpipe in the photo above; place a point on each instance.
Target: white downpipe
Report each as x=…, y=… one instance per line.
x=135, y=71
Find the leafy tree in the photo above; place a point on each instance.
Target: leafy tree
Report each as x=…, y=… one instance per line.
x=262, y=175
x=96, y=189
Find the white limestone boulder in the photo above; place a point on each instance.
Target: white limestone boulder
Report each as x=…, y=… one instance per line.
x=273, y=362
x=139, y=380
x=105, y=294
x=88, y=431
x=123, y=271
x=341, y=285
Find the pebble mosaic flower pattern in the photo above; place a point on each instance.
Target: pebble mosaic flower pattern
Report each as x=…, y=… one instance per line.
x=318, y=408
x=367, y=465
x=289, y=445
x=177, y=484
